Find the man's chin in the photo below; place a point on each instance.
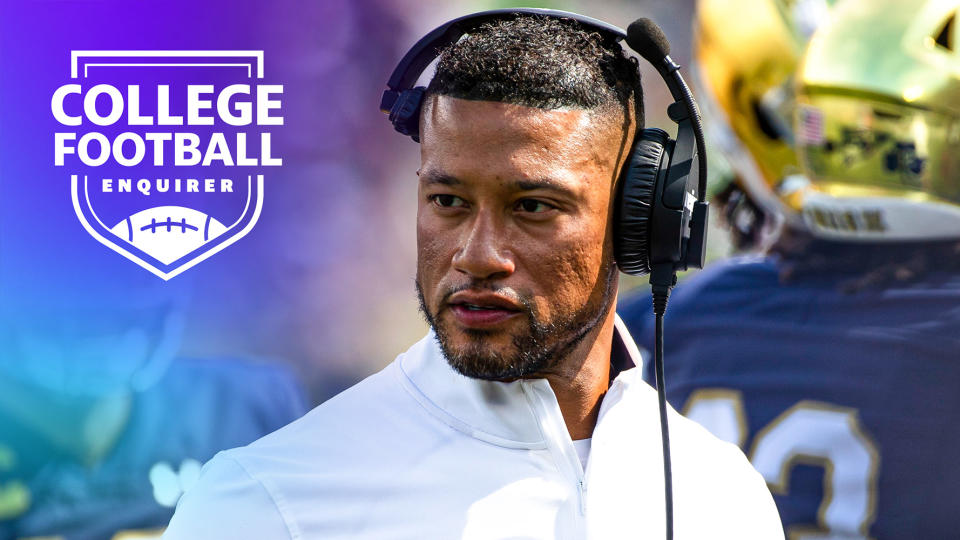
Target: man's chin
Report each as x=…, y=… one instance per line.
x=484, y=369
x=481, y=354
x=488, y=358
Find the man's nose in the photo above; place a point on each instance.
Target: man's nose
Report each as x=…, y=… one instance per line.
x=484, y=253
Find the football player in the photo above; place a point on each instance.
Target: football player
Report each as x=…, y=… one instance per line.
x=832, y=358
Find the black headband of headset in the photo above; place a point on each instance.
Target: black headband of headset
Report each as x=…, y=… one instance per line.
x=654, y=48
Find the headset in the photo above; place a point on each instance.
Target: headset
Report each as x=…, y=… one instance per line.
x=660, y=212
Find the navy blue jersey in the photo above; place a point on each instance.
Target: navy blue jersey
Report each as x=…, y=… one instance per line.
x=198, y=408
x=847, y=402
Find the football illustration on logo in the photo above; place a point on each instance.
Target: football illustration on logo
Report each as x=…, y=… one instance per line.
x=167, y=233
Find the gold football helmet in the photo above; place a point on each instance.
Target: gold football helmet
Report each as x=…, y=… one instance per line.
x=878, y=123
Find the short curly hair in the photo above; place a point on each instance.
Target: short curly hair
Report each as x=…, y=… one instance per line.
x=541, y=62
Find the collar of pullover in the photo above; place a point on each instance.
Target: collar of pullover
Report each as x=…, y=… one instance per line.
x=518, y=414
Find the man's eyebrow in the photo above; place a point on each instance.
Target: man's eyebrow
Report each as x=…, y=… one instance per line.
x=545, y=183
x=439, y=178
x=433, y=177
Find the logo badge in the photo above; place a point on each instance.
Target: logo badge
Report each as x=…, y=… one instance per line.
x=168, y=150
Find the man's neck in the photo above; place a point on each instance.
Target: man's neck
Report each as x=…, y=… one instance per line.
x=583, y=379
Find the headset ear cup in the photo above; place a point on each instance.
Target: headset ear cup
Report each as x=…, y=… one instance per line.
x=405, y=112
x=635, y=202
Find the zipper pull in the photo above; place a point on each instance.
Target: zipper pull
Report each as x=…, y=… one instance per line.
x=583, y=498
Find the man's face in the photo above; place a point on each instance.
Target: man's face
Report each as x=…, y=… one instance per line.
x=515, y=263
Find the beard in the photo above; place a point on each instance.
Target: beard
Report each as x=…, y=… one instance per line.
x=536, y=351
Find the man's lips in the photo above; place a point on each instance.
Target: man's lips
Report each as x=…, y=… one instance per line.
x=480, y=310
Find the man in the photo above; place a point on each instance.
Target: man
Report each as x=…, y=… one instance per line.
x=833, y=359
x=518, y=416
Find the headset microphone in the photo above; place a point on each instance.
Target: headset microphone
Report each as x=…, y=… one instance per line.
x=660, y=219
x=645, y=37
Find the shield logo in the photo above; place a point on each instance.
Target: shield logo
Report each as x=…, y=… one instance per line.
x=169, y=148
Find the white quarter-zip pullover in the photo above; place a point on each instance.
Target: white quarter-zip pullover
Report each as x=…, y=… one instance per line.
x=418, y=451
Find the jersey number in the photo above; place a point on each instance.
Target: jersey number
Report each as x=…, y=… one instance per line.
x=810, y=433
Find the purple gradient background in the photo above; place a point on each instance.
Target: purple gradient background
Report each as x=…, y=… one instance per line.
x=288, y=291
